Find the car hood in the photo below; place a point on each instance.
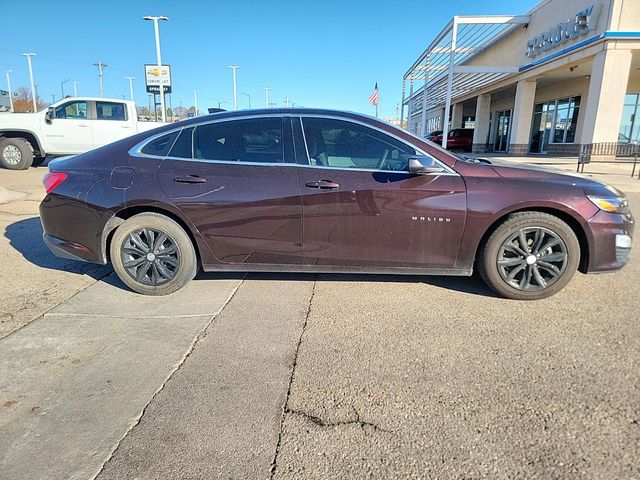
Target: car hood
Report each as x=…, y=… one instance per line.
x=26, y=121
x=531, y=172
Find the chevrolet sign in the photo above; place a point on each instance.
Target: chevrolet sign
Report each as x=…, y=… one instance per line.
x=583, y=22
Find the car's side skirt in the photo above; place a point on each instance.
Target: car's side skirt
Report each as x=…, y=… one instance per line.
x=240, y=267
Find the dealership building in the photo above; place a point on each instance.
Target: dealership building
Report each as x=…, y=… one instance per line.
x=565, y=74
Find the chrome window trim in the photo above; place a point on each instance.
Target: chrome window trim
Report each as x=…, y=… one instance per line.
x=135, y=151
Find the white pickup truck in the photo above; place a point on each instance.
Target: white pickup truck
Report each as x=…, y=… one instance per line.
x=69, y=126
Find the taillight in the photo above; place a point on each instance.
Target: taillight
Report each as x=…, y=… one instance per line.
x=52, y=179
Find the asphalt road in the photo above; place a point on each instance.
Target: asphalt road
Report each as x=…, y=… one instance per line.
x=323, y=377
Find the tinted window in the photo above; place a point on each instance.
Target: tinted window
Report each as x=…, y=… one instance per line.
x=257, y=140
x=161, y=145
x=72, y=110
x=336, y=143
x=183, y=146
x=111, y=111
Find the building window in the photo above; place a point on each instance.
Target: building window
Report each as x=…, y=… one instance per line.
x=554, y=122
x=630, y=125
x=433, y=124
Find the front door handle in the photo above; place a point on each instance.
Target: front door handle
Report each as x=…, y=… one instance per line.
x=190, y=179
x=323, y=185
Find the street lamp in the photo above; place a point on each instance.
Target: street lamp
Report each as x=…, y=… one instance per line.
x=266, y=97
x=195, y=105
x=8, y=72
x=159, y=57
x=62, y=86
x=75, y=88
x=235, y=89
x=33, y=88
x=131, y=79
x=249, y=97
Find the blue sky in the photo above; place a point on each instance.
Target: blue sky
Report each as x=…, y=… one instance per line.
x=318, y=53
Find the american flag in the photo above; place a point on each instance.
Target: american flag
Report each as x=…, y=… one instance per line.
x=373, y=99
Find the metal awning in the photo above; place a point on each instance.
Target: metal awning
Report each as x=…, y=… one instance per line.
x=446, y=70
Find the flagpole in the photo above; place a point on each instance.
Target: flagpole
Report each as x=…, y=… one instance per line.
x=378, y=100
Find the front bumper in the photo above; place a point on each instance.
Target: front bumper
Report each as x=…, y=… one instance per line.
x=612, y=239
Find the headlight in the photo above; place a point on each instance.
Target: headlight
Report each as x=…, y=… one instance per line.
x=613, y=204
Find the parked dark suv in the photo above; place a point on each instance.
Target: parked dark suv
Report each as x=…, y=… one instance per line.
x=302, y=190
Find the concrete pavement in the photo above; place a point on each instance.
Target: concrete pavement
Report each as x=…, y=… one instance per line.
x=33, y=280
x=76, y=380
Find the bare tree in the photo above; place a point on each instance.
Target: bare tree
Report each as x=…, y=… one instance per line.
x=22, y=101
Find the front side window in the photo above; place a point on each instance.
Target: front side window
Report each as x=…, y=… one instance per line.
x=111, y=111
x=72, y=110
x=255, y=140
x=338, y=143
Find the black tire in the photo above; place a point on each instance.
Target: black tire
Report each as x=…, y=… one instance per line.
x=165, y=273
x=543, y=268
x=15, y=154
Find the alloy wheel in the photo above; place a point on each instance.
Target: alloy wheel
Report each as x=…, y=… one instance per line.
x=532, y=259
x=12, y=155
x=150, y=256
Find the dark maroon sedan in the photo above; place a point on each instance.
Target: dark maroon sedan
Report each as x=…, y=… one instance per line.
x=324, y=191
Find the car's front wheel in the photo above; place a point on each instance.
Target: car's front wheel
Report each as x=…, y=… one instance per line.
x=531, y=255
x=153, y=255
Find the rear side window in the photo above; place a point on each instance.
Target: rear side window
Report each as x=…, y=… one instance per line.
x=160, y=146
x=183, y=146
x=111, y=111
x=256, y=140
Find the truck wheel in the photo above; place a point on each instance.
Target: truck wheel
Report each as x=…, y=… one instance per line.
x=15, y=154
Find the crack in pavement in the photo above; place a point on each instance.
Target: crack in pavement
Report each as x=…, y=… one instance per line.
x=324, y=423
x=285, y=407
x=200, y=335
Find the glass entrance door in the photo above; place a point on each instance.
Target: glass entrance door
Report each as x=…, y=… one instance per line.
x=503, y=120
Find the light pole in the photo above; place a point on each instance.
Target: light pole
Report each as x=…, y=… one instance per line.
x=287, y=101
x=75, y=88
x=101, y=66
x=159, y=57
x=249, y=97
x=131, y=79
x=33, y=88
x=9, y=88
x=195, y=105
x=62, y=86
x=235, y=89
x=266, y=97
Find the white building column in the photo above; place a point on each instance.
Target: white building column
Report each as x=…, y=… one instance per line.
x=605, y=100
x=456, y=115
x=483, y=119
x=522, y=116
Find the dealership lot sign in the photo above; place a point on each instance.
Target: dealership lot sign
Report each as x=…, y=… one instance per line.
x=584, y=21
x=156, y=76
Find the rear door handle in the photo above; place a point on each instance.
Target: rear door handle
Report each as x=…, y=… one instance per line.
x=323, y=185
x=190, y=179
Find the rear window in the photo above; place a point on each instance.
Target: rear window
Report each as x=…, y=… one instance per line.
x=183, y=146
x=160, y=146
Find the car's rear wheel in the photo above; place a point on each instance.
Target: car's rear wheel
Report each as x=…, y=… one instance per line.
x=531, y=255
x=15, y=154
x=153, y=255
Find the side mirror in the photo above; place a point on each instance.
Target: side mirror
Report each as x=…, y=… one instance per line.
x=50, y=115
x=418, y=166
